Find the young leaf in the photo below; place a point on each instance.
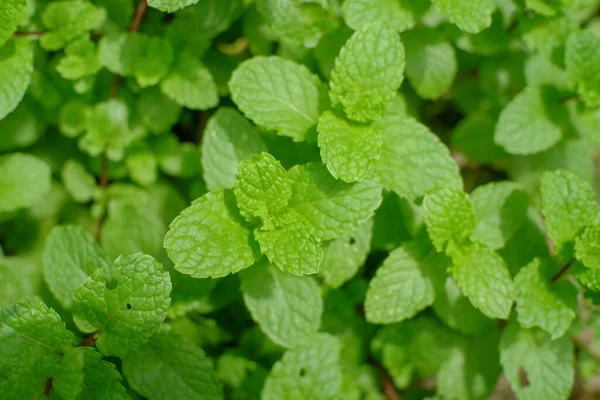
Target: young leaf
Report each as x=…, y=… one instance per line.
x=170, y=6
x=16, y=66
x=77, y=181
x=80, y=60
x=277, y=94
x=368, y=72
x=287, y=308
x=582, y=58
x=587, y=247
x=11, y=16
x=125, y=317
x=210, y=239
x=400, y=15
x=471, y=16
x=24, y=180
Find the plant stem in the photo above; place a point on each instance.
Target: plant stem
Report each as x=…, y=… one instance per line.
x=388, y=386
x=88, y=342
x=34, y=34
x=563, y=270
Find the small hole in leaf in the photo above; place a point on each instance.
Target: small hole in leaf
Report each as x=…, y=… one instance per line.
x=302, y=372
x=523, y=381
x=128, y=306
x=352, y=240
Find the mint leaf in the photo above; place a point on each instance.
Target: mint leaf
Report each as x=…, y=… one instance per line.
x=587, y=247
x=569, y=205
x=209, y=238
x=80, y=60
x=77, y=181
x=474, y=136
x=349, y=150
x=540, y=302
x=170, y=6
x=70, y=256
x=331, y=206
x=262, y=189
x=125, y=317
x=311, y=371
x=582, y=55
x=413, y=160
x=471, y=16
x=170, y=366
x=16, y=65
x=368, y=72
x=449, y=217
x=24, y=180
x=228, y=139
x=67, y=21
x=11, y=16
x=157, y=111
x=400, y=15
x=277, y=94
x=546, y=364
x=153, y=61
x=20, y=278
x=287, y=308
x=402, y=286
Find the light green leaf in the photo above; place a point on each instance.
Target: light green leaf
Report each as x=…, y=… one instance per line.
x=471, y=16
x=402, y=286
x=569, y=205
x=22, y=127
x=582, y=59
x=400, y=15
x=262, y=189
x=19, y=278
x=413, y=160
x=228, y=139
x=331, y=206
x=431, y=64
x=278, y=94
x=170, y=6
x=80, y=60
x=157, y=111
x=311, y=371
x=525, y=125
x=24, y=181
x=484, y=278
x=547, y=365
x=171, y=367
x=70, y=256
x=11, y=16
x=287, y=308
x=368, y=72
x=210, y=239
x=449, y=216
x=125, y=317
x=349, y=150
x=72, y=120
x=540, y=302
x=587, y=247
x=67, y=20
x=189, y=83
x=141, y=165
x=79, y=183
x=16, y=67
x=153, y=61
x=500, y=209
x=291, y=245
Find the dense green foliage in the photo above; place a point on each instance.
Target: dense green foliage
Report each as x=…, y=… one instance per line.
x=299, y=199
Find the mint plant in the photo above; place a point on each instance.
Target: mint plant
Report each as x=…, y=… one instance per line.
x=299, y=200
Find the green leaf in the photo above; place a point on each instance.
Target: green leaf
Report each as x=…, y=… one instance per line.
x=582, y=58
x=541, y=302
x=546, y=365
x=587, y=247
x=171, y=367
x=500, y=209
x=474, y=136
x=413, y=160
x=368, y=72
x=331, y=206
x=157, y=111
x=400, y=15
x=262, y=189
x=170, y=6
x=287, y=308
x=20, y=278
x=153, y=61
x=431, y=63
x=16, y=66
x=78, y=183
x=311, y=371
x=70, y=256
x=189, y=83
x=402, y=286
x=66, y=21
x=471, y=16
x=291, y=244
x=80, y=60
x=569, y=205
x=228, y=139
x=210, y=239
x=449, y=217
x=11, y=16
x=24, y=180
x=32, y=339
x=483, y=277
x=72, y=120
x=278, y=94
x=526, y=126
x=21, y=128
x=349, y=150
x=344, y=256
x=125, y=317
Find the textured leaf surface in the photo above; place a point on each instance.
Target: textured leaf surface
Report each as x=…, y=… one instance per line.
x=209, y=238
x=587, y=247
x=124, y=317
x=11, y=15
x=287, y=308
x=24, y=181
x=471, y=16
x=368, y=72
x=549, y=305
x=311, y=371
x=228, y=139
x=170, y=5
x=16, y=67
x=277, y=94
x=70, y=256
x=399, y=15
x=349, y=150
x=171, y=367
x=582, y=59
x=331, y=206
x=547, y=364
x=413, y=160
